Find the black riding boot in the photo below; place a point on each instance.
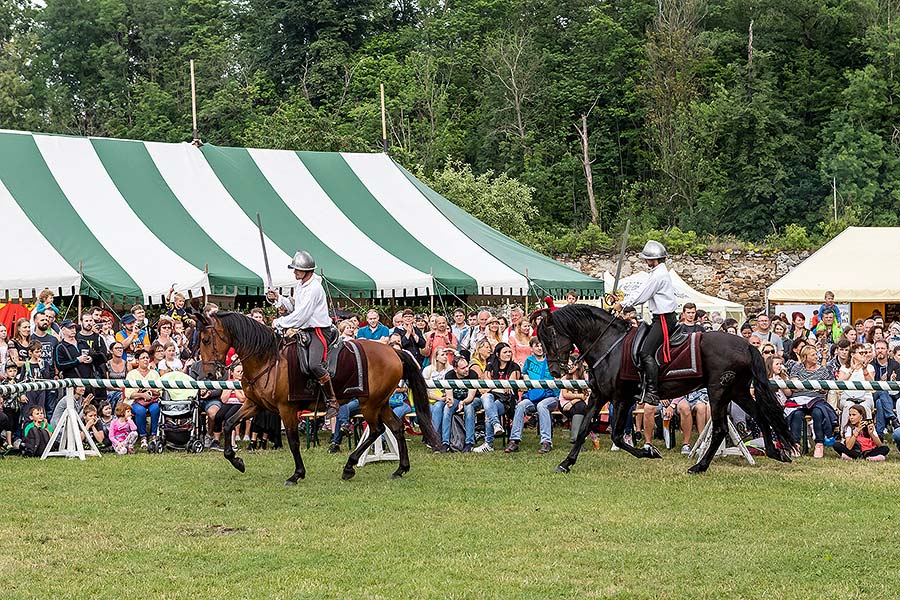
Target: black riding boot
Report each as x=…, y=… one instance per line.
x=651, y=378
x=331, y=403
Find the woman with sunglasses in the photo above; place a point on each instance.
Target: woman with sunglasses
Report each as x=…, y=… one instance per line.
x=859, y=369
x=117, y=368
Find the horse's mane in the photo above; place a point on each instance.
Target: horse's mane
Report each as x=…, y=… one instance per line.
x=586, y=318
x=251, y=338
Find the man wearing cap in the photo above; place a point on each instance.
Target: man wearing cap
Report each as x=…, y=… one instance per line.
x=131, y=337
x=659, y=293
x=309, y=313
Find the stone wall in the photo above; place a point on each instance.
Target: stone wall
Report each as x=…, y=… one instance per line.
x=739, y=276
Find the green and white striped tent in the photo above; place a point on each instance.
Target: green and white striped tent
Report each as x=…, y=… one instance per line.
x=129, y=219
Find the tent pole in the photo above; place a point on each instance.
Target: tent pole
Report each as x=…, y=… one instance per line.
x=80, y=275
x=431, y=292
x=528, y=281
x=384, y=141
x=196, y=141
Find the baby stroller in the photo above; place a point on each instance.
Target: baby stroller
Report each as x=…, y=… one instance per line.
x=179, y=425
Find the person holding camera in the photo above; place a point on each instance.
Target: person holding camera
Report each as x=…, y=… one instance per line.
x=858, y=370
x=861, y=439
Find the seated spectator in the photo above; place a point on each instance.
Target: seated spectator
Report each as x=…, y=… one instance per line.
x=144, y=401
x=811, y=402
x=123, y=430
x=374, y=329
x=775, y=370
x=460, y=328
x=399, y=402
x=858, y=370
x=105, y=416
x=37, y=432
x=92, y=424
x=860, y=438
x=886, y=369
x=232, y=401
x=480, y=356
x=688, y=320
x=79, y=402
x=692, y=408
x=755, y=342
x=347, y=329
x=571, y=297
x=763, y=332
x=747, y=332
x=458, y=401
x=441, y=337
x=541, y=400
x=437, y=397
x=573, y=403
x=171, y=361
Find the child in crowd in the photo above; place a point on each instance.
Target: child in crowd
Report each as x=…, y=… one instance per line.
x=860, y=438
x=122, y=430
x=37, y=433
x=105, y=420
x=92, y=424
x=11, y=403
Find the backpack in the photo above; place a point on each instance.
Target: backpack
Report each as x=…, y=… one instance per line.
x=457, y=433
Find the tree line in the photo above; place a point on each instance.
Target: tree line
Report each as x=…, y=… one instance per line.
x=547, y=118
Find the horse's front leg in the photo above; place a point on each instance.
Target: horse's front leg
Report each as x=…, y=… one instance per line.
x=246, y=411
x=593, y=405
x=622, y=406
x=288, y=414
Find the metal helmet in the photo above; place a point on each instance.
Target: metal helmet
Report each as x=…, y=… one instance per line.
x=303, y=261
x=653, y=250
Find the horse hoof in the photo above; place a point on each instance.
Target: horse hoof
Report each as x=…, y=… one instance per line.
x=561, y=469
x=290, y=482
x=348, y=474
x=696, y=470
x=652, y=452
x=397, y=475
x=238, y=463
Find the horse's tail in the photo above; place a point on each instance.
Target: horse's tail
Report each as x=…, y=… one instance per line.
x=767, y=404
x=416, y=383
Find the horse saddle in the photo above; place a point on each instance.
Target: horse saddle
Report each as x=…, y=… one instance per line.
x=346, y=364
x=684, y=347
x=332, y=353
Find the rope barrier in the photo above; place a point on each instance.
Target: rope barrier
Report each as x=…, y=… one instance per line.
x=447, y=384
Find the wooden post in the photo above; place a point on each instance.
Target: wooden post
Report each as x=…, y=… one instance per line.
x=431, y=295
x=384, y=142
x=196, y=141
x=527, y=292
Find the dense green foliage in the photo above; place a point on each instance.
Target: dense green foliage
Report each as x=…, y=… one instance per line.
x=180, y=526
x=723, y=117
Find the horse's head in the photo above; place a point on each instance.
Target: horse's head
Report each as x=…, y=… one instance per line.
x=212, y=343
x=557, y=344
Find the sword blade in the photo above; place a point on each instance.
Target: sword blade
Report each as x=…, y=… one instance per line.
x=621, y=256
x=262, y=240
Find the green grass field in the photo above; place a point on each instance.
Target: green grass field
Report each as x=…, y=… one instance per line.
x=458, y=526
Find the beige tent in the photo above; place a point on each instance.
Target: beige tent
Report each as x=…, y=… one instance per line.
x=858, y=265
x=683, y=294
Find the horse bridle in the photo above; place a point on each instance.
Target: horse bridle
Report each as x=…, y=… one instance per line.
x=217, y=364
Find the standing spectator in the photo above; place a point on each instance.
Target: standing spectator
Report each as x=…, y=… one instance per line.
x=396, y=322
x=571, y=297
x=520, y=342
x=798, y=331
x=97, y=350
x=232, y=400
x=47, y=340
x=4, y=347
x=140, y=317
x=478, y=331
x=764, y=333
x=144, y=401
x=573, y=403
x=460, y=328
x=893, y=339
x=850, y=335
x=107, y=333
x=11, y=404
x=829, y=305
x=210, y=402
x=373, y=330
x=34, y=369
x=132, y=337
x=830, y=328
x=167, y=333
x=859, y=370
x=861, y=440
x=886, y=369
x=348, y=329
x=689, y=318
x=18, y=348
x=411, y=337
x=515, y=316
x=441, y=337
x=860, y=326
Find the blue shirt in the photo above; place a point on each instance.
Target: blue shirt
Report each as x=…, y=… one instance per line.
x=366, y=332
x=538, y=369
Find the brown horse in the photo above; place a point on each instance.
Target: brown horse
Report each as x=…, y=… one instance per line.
x=265, y=383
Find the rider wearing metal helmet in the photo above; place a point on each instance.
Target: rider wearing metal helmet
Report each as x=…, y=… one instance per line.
x=309, y=313
x=659, y=293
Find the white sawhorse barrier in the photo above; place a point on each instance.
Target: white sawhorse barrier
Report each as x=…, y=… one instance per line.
x=705, y=439
x=376, y=451
x=67, y=430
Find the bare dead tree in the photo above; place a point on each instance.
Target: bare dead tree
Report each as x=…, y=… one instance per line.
x=511, y=62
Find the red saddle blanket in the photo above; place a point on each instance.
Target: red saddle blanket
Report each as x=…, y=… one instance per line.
x=685, y=363
x=350, y=378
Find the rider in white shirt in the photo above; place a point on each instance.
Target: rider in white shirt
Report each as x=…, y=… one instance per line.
x=309, y=313
x=659, y=294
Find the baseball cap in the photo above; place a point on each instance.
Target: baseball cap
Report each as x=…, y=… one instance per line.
x=67, y=323
x=128, y=318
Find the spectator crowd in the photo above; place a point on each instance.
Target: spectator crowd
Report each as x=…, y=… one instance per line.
x=465, y=344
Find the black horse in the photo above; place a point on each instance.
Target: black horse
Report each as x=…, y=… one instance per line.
x=730, y=365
